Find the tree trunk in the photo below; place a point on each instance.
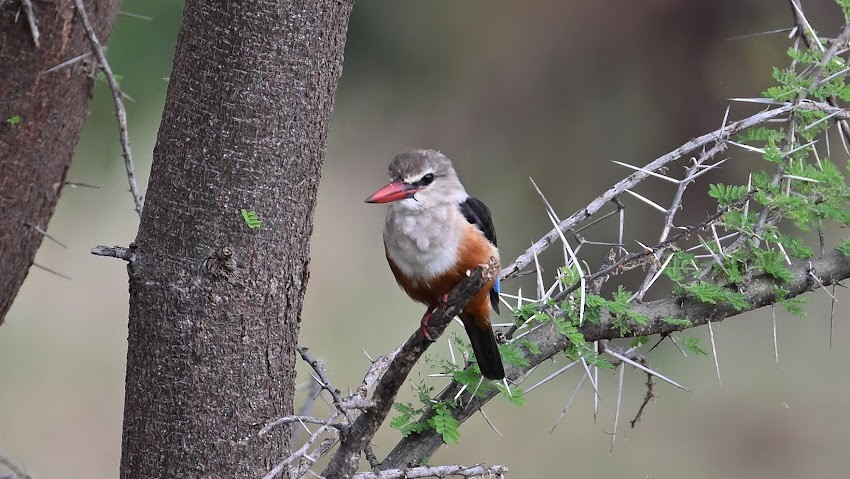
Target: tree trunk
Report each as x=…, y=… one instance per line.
x=41, y=116
x=214, y=304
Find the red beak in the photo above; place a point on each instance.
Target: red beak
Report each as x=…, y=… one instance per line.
x=397, y=190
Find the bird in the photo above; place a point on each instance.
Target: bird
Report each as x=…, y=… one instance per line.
x=434, y=234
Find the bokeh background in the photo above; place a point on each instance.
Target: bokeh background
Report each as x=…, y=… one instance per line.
x=552, y=90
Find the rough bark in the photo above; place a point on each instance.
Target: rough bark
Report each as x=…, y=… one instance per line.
x=215, y=305
x=41, y=117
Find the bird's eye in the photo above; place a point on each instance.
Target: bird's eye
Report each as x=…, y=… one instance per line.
x=427, y=179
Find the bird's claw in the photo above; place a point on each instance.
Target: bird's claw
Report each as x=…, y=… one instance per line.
x=423, y=326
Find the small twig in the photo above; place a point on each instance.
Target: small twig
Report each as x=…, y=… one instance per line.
x=322, y=376
x=27, y=5
x=17, y=471
x=127, y=254
x=119, y=106
x=302, y=452
x=650, y=394
x=435, y=471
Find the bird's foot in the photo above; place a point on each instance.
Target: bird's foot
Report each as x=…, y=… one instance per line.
x=423, y=326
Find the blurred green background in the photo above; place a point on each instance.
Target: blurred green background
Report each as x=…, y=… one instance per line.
x=548, y=89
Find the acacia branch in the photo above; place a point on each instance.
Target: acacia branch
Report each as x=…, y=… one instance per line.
x=120, y=111
x=345, y=461
x=628, y=182
x=829, y=268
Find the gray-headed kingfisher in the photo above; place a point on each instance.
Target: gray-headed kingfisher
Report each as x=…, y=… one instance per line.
x=434, y=233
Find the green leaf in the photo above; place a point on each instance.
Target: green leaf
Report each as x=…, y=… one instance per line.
x=515, y=396
x=252, y=219
x=772, y=263
x=513, y=356
x=845, y=8
x=795, y=247
x=792, y=305
x=404, y=422
x=726, y=194
x=760, y=134
x=685, y=323
x=445, y=424
x=691, y=343
x=14, y=120
x=681, y=267
x=712, y=294
x=844, y=247
x=531, y=347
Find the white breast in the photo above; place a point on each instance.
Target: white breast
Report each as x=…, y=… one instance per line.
x=423, y=244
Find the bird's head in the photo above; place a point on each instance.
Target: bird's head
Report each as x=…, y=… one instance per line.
x=420, y=179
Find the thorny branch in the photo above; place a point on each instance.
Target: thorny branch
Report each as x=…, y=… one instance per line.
x=832, y=267
x=117, y=98
x=347, y=458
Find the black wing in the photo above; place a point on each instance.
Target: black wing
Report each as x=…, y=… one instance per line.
x=477, y=213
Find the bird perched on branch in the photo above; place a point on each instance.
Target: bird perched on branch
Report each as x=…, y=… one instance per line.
x=434, y=234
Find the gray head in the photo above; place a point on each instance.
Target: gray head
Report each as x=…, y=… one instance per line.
x=420, y=179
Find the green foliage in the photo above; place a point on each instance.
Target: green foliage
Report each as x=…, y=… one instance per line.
x=622, y=315
x=682, y=266
x=531, y=347
x=760, y=133
x=711, y=293
x=795, y=247
x=14, y=120
x=514, y=395
x=845, y=8
x=772, y=263
x=444, y=423
x=844, y=247
x=678, y=322
x=405, y=422
x=252, y=219
x=792, y=305
x=101, y=77
x=725, y=194
x=513, y=355
x=691, y=343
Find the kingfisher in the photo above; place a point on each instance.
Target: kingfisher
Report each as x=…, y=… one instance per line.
x=434, y=234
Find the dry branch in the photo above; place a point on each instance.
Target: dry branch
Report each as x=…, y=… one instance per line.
x=117, y=98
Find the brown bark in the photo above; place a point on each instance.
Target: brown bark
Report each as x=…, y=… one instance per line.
x=214, y=305
x=35, y=153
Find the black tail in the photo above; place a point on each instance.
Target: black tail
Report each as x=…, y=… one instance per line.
x=486, y=351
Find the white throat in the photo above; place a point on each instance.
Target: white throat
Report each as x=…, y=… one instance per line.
x=423, y=243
